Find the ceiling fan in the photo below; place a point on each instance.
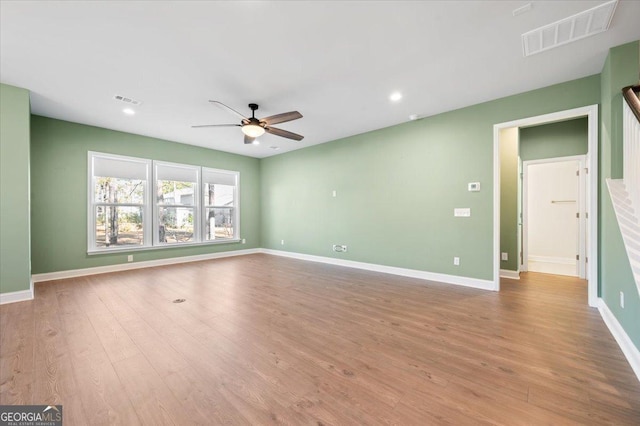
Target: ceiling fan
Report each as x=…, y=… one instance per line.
x=253, y=127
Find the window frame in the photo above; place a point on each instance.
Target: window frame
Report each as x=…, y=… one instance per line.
x=195, y=206
x=235, y=207
x=150, y=207
x=92, y=205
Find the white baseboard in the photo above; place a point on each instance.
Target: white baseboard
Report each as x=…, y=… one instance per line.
x=49, y=276
x=624, y=341
x=17, y=296
x=553, y=265
x=550, y=259
x=512, y=275
x=413, y=273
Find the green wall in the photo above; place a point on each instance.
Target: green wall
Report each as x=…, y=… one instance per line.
x=397, y=187
x=552, y=140
x=509, y=198
x=59, y=192
x=15, y=268
x=621, y=69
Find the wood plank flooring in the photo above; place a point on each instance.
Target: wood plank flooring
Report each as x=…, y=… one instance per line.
x=267, y=340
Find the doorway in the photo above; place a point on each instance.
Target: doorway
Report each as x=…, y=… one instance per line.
x=554, y=216
x=591, y=207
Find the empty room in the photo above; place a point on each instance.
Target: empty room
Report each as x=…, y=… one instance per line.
x=319, y=212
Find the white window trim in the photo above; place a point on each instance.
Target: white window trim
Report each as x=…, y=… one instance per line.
x=91, y=204
x=150, y=208
x=196, y=204
x=236, y=205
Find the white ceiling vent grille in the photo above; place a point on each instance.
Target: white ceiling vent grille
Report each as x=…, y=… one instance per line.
x=576, y=27
x=126, y=100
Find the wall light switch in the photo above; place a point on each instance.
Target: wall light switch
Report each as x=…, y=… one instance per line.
x=334, y=193
x=505, y=256
x=462, y=212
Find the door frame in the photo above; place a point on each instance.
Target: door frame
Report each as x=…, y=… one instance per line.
x=581, y=207
x=591, y=112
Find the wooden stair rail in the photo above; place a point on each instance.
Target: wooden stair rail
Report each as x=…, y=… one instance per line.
x=631, y=95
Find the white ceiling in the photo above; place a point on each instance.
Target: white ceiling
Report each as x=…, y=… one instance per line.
x=335, y=62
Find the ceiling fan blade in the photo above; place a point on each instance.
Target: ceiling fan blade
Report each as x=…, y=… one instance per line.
x=281, y=118
x=216, y=125
x=231, y=110
x=283, y=133
x=248, y=139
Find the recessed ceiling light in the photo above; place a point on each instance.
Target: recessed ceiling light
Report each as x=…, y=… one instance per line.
x=395, y=96
x=128, y=111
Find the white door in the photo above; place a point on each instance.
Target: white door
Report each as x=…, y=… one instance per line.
x=554, y=217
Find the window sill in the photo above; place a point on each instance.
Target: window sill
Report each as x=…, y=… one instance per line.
x=158, y=247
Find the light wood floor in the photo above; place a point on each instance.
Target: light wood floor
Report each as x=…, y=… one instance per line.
x=264, y=339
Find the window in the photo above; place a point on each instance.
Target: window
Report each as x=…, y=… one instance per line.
x=118, y=201
x=219, y=204
x=133, y=205
x=176, y=203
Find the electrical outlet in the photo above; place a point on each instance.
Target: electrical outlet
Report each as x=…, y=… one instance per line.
x=244, y=241
x=505, y=256
x=281, y=242
x=622, y=299
x=130, y=258
x=456, y=261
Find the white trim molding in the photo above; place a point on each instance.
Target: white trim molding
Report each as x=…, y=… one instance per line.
x=512, y=275
x=50, y=276
x=412, y=273
x=591, y=112
x=629, y=350
x=17, y=296
x=550, y=259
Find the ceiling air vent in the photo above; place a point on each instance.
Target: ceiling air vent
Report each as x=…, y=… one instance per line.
x=567, y=30
x=126, y=100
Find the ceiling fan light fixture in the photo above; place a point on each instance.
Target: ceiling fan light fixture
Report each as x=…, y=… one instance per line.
x=253, y=130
